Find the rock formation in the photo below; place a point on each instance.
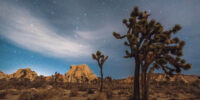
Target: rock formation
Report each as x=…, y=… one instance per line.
x=79, y=73
x=24, y=73
x=163, y=77
x=128, y=80
x=3, y=75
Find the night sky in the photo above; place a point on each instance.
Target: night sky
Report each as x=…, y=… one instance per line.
x=51, y=35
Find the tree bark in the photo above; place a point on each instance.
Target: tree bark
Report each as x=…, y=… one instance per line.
x=144, y=82
x=136, y=95
x=148, y=82
x=101, y=85
x=145, y=86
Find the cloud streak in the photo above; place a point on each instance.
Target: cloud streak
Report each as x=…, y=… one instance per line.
x=32, y=33
x=100, y=33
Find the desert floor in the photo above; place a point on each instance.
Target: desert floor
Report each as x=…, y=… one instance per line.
x=114, y=91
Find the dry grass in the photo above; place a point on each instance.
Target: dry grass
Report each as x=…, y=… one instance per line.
x=37, y=91
x=29, y=96
x=41, y=94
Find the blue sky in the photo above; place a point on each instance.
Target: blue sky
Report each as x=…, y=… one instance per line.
x=51, y=35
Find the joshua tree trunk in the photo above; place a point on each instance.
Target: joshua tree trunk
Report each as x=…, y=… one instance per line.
x=148, y=82
x=144, y=83
x=145, y=95
x=136, y=95
x=101, y=85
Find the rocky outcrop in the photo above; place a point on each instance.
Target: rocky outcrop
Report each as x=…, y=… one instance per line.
x=24, y=73
x=163, y=77
x=79, y=73
x=129, y=80
x=3, y=75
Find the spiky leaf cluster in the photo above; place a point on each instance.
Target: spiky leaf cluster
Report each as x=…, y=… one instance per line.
x=100, y=58
x=149, y=41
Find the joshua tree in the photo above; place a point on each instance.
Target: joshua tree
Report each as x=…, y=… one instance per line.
x=149, y=45
x=99, y=57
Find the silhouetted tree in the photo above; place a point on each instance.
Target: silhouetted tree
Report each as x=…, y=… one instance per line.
x=150, y=44
x=99, y=57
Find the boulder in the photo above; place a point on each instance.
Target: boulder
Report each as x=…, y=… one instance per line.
x=79, y=73
x=3, y=75
x=24, y=73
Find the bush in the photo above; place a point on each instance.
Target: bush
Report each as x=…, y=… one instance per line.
x=44, y=94
x=153, y=98
x=109, y=94
x=122, y=93
x=73, y=93
x=38, y=84
x=3, y=94
x=82, y=88
x=90, y=91
x=29, y=95
x=13, y=92
x=4, y=84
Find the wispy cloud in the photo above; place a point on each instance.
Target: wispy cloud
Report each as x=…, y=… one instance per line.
x=100, y=33
x=33, y=33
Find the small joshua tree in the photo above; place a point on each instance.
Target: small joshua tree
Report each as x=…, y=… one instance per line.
x=149, y=45
x=99, y=57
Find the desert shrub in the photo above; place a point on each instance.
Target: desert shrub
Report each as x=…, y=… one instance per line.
x=73, y=93
x=82, y=88
x=173, y=99
x=90, y=91
x=163, y=83
x=130, y=97
x=195, y=84
x=13, y=83
x=13, y=92
x=51, y=93
x=4, y=84
x=168, y=93
x=154, y=98
x=3, y=94
x=29, y=95
x=43, y=94
x=88, y=98
x=122, y=92
x=109, y=93
x=39, y=82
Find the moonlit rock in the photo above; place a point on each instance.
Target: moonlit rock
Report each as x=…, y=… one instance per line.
x=79, y=73
x=24, y=73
